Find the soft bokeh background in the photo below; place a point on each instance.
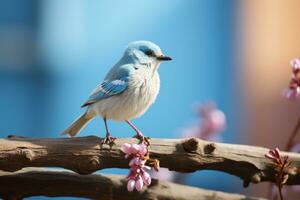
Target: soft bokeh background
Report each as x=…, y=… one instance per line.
x=236, y=53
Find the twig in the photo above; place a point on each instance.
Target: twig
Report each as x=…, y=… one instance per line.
x=288, y=146
x=280, y=192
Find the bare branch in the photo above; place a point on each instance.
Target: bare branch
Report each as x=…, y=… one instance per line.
x=84, y=155
x=42, y=182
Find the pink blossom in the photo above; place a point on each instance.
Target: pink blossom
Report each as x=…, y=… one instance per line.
x=134, y=149
x=291, y=93
x=274, y=155
x=295, y=63
x=213, y=121
x=139, y=183
x=146, y=178
x=293, y=90
x=138, y=177
x=137, y=161
x=130, y=185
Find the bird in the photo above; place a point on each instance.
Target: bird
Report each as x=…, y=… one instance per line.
x=127, y=91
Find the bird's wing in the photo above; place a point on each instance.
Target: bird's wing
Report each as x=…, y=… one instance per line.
x=107, y=89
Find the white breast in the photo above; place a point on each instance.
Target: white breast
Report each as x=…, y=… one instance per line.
x=134, y=101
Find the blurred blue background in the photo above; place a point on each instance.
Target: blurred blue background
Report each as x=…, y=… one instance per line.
x=53, y=53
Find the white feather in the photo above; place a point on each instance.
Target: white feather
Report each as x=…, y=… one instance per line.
x=118, y=82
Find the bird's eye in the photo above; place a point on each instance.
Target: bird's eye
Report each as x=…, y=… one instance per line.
x=149, y=52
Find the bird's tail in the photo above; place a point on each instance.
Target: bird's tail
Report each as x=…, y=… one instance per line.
x=77, y=125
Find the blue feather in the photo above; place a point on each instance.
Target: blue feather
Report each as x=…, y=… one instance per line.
x=116, y=81
x=107, y=89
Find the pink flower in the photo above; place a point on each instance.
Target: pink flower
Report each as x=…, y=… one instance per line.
x=293, y=90
x=134, y=149
x=213, y=121
x=137, y=161
x=139, y=183
x=273, y=155
x=138, y=177
x=291, y=93
x=146, y=178
x=130, y=185
x=295, y=63
x=136, y=183
x=276, y=158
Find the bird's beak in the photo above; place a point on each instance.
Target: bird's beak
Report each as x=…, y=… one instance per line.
x=163, y=58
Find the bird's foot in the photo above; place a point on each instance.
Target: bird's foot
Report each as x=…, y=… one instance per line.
x=143, y=139
x=109, y=140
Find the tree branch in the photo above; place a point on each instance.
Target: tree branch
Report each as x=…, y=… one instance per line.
x=85, y=155
x=42, y=182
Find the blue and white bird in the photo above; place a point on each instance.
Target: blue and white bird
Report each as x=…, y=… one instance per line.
x=127, y=91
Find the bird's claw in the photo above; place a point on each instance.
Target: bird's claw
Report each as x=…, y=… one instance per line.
x=143, y=139
x=109, y=140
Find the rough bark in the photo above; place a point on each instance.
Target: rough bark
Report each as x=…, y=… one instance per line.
x=85, y=155
x=54, y=183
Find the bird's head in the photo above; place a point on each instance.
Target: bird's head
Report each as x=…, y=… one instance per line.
x=145, y=52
